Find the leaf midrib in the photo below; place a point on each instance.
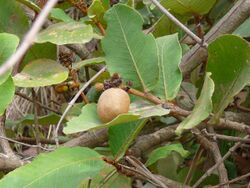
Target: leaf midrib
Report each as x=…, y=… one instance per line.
x=130, y=52
x=163, y=72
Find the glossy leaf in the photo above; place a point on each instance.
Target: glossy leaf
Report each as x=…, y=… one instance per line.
x=165, y=151
x=202, y=109
x=128, y=50
x=12, y=18
x=65, y=167
x=170, y=54
x=189, y=7
x=120, y=137
x=8, y=45
x=41, y=72
x=67, y=33
x=86, y=62
x=229, y=62
x=7, y=92
x=90, y=120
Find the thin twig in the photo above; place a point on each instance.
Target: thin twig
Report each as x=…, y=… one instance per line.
x=72, y=102
x=140, y=167
x=233, y=180
x=37, y=102
x=42, y=140
x=225, y=137
x=222, y=171
x=24, y=144
x=29, y=37
x=107, y=178
x=210, y=171
x=213, y=148
x=178, y=23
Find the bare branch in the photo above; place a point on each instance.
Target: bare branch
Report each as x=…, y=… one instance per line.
x=8, y=164
x=233, y=180
x=225, y=137
x=29, y=37
x=89, y=139
x=210, y=171
x=145, y=142
x=214, y=149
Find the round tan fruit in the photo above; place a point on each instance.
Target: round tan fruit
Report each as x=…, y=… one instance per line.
x=112, y=102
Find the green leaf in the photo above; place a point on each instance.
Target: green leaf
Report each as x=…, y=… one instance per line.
x=165, y=151
x=8, y=45
x=59, y=14
x=120, y=137
x=40, y=51
x=86, y=62
x=170, y=54
x=67, y=33
x=229, y=62
x=189, y=7
x=128, y=50
x=64, y=168
x=12, y=18
x=244, y=29
x=7, y=92
x=203, y=106
x=164, y=26
x=90, y=120
x=96, y=11
x=41, y=72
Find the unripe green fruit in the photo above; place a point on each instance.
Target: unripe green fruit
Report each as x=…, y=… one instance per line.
x=112, y=102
